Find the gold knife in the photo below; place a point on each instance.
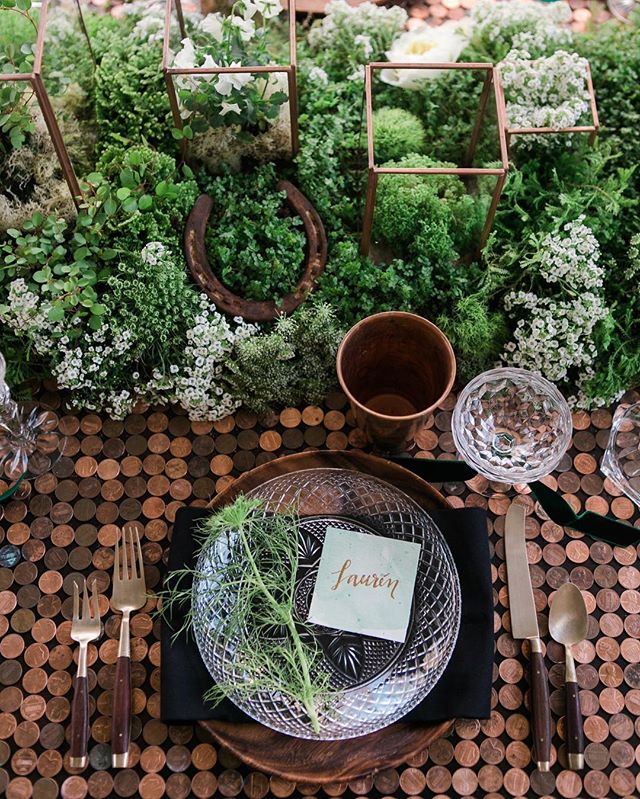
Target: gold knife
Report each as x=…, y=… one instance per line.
x=524, y=624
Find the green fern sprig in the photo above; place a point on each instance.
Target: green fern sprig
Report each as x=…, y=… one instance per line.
x=273, y=651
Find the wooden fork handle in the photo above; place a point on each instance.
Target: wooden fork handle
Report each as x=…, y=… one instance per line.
x=79, y=723
x=121, y=719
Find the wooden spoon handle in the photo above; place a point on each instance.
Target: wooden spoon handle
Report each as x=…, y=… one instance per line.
x=574, y=733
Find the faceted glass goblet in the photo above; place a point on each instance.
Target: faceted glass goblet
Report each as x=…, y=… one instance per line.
x=621, y=460
x=511, y=425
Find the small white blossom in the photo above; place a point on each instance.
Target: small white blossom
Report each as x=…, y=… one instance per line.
x=212, y=25
x=318, y=75
x=228, y=81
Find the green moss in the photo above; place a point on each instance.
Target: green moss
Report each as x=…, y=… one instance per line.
x=132, y=105
x=396, y=133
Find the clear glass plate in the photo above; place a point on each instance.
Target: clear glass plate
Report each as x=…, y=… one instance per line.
x=375, y=682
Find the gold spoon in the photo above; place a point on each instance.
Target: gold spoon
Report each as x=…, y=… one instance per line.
x=568, y=625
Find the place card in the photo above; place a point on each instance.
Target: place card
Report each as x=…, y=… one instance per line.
x=365, y=584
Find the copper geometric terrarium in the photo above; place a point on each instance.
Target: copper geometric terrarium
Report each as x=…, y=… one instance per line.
x=170, y=72
x=465, y=171
x=591, y=129
x=35, y=79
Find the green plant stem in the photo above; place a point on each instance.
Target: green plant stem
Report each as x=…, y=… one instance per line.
x=304, y=665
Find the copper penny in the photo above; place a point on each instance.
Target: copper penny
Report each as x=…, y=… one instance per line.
x=225, y=425
x=100, y=785
x=204, y=784
x=49, y=763
x=152, y=786
x=178, y=786
x=597, y=505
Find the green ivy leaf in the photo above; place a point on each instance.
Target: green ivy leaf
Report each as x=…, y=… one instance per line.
x=56, y=313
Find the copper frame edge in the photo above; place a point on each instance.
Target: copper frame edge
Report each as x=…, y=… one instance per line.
x=289, y=69
x=374, y=170
x=35, y=79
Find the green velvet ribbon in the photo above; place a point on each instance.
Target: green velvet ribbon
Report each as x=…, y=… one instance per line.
x=12, y=490
x=594, y=525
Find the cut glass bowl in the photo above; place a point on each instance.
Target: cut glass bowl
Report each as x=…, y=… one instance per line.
x=374, y=682
x=511, y=425
x=621, y=461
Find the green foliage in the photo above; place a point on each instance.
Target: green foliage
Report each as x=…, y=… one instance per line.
x=541, y=193
x=427, y=215
x=135, y=199
x=330, y=164
x=255, y=248
x=264, y=600
x=476, y=333
x=16, y=56
x=355, y=286
x=132, y=105
x=292, y=365
x=153, y=299
x=613, y=51
x=396, y=133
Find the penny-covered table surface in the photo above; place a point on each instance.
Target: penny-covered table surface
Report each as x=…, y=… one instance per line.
x=142, y=469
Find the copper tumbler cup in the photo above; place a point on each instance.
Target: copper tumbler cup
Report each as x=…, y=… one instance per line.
x=395, y=368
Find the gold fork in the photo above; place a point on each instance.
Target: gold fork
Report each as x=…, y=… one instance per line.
x=84, y=629
x=129, y=594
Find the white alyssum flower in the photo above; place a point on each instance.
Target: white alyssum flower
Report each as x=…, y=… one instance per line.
x=547, y=92
x=197, y=385
x=520, y=24
x=554, y=335
x=318, y=75
x=87, y=365
x=342, y=21
x=424, y=45
x=154, y=253
x=364, y=41
x=572, y=258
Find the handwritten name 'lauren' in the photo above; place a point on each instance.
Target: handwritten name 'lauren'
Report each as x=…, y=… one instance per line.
x=364, y=580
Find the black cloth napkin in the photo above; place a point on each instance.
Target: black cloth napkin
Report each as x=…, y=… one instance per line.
x=463, y=691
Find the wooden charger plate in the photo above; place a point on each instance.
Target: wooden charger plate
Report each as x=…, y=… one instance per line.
x=321, y=762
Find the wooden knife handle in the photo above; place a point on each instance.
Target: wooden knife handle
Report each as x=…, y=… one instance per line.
x=121, y=720
x=540, y=712
x=79, y=723
x=573, y=721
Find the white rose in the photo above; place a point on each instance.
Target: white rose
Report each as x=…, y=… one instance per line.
x=425, y=45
